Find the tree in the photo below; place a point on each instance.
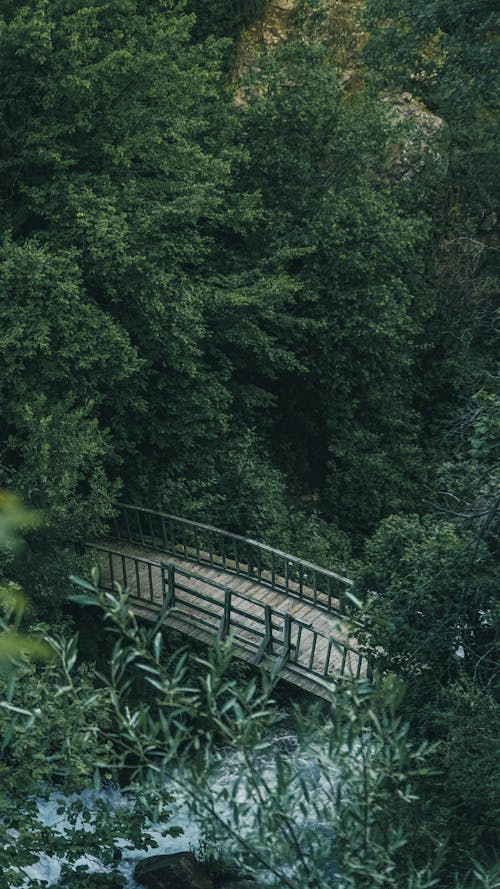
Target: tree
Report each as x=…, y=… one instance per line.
x=224, y=19
x=125, y=243
x=54, y=716
x=444, y=53
x=346, y=420
x=432, y=587
x=112, y=185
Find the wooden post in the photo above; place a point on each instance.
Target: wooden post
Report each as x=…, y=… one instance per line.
x=124, y=572
x=287, y=632
x=342, y=665
x=327, y=660
x=267, y=642
x=268, y=620
x=168, y=584
x=169, y=596
x=226, y=617
x=297, y=644
x=285, y=654
x=163, y=582
x=250, y=559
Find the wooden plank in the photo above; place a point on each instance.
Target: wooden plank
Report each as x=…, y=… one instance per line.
x=245, y=584
x=293, y=587
x=199, y=611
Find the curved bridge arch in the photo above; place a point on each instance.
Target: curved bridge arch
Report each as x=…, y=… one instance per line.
x=207, y=583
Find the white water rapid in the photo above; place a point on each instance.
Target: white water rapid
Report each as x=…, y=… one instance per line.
x=226, y=783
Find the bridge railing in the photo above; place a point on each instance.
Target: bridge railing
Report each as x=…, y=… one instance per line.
x=239, y=555
x=217, y=610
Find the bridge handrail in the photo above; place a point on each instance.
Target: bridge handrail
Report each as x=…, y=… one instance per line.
x=264, y=546
x=169, y=574
x=331, y=598
x=192, y=575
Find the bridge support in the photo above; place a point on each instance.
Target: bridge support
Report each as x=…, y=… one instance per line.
x=287, y=637
x=168, y=589
x=267, y=642
x=226, y=616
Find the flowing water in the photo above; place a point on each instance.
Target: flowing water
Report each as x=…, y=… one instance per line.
x=227, y=781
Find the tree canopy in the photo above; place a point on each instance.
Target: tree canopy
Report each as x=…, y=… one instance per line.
x=248, y=275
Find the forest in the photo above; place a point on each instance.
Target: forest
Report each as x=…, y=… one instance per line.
x=249, y=258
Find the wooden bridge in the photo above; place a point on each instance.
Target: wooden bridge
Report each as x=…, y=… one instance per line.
x=208, y=583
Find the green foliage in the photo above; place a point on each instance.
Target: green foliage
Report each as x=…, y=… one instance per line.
x=345, y=422
x=363, y=761
x=431, y=585
x=365, y=787
x=181, y=275
x=62, y=746
x=56, y=725
x=444, y=53
x=14, y=520
x=238, y=489
x=358, y=788
x=315, y=540
x=15, y=646
x=224, y=18
x=110, y=191
x=125, y=291
x=450, y=45
x=459, y=805
x=253, y=314
x=433, y=581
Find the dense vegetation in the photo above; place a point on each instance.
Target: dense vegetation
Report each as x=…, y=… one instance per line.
x=258, y=289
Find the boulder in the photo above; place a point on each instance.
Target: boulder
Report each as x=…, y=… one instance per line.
x=416, y=130
x=181, y=870
x=242, y=883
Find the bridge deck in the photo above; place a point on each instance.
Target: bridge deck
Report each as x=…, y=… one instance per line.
x=204, y=603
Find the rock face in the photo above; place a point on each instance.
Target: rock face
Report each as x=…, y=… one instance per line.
x=415, y=129
x=182, y=870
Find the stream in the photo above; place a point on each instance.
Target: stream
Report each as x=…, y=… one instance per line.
x=227, y=782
